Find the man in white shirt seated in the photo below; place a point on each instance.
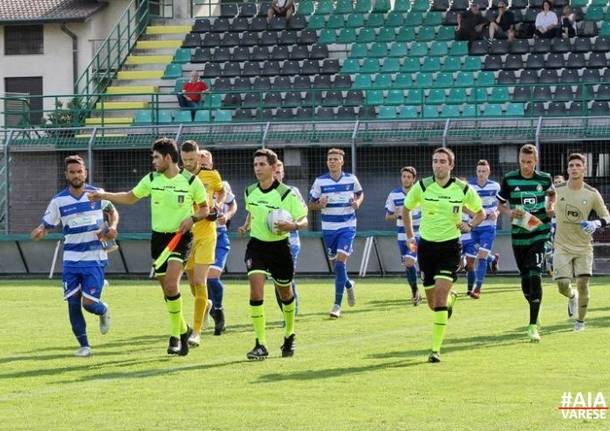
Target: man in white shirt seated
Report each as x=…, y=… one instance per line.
x=547, y=22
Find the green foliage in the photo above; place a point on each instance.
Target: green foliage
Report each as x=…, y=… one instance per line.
x=72, y=115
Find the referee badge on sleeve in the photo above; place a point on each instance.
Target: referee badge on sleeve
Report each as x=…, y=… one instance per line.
x=456, y=209
x=180, y=199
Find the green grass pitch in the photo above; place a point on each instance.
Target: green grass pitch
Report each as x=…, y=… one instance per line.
x=365, y=371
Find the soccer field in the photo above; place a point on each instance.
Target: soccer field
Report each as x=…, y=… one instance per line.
x=364, y=371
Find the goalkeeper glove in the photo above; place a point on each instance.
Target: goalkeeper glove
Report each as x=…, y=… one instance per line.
x=590, y=226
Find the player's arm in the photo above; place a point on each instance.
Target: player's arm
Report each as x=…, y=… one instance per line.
x=228, y=215
x=550, y=201
x=412, y=200
x=113, y=221
x=50, y=219
x=316, y=200
x=504, y=205
x=358, y=199
x=244, y=228
x=298, y=212
x=39, y=232
x=292, y=226
x=121, y=198
x=590, y=226
x=473, y=207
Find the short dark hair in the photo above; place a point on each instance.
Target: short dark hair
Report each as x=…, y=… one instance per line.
x=446, y=151
x=74, y=158
x=337, y=151
x=482, y=162
x=549, y=2
x=165, y=146
x=409, y=169
x=269, y=154
x=529, y=149
x=189, y=146
x=577, y=156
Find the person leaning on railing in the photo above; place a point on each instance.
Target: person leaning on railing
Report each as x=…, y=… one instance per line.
x=192, y=92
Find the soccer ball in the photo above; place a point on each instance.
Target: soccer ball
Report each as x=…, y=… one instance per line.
x=277, y=216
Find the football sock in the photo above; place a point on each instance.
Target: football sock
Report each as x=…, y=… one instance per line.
x=296, y=297
x=348, y=282
x=525, y=287
x=97, y=308
x=201, y=302
x=216, y=288
x=481, y=272
x=412, y=278
x=582, y=283
x=340, y=281
x=438, y=328
x=535, y=298
x=470, y=276
x=257, y=313
x=77, y=320
x=289, y=312
x=278, y=299
x=177, y=325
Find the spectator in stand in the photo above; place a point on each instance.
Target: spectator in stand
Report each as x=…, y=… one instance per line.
x=470, y=24
x=192, y=92
x=547, y=23
x=503, y=26
x=568, y=23
x=284, y=8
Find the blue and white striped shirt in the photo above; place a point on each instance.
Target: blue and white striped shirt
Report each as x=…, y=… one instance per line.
x=229, y=199
x=81, y=220
x=294, y=238
x=338, y=214
x=488, y=194
x=396, y=199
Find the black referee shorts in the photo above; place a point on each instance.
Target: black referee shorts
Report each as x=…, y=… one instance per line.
x=159, y=241
x=270, y=257
x=438, y=260
x=529, y=258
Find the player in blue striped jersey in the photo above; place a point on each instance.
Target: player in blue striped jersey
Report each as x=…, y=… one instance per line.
x=393, y=212
x=478, y=247
x=337, y=195
x=84, y=258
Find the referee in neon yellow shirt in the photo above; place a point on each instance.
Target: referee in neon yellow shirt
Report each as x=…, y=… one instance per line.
x=441, y=198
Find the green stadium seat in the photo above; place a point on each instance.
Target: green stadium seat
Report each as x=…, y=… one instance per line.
x=411, y=64
x=599, y=3
x=374, y=97
x=605, y=29
x=430, y=111
x=344, y=6
x=423, y=80
x=328, y=35
x=398, y=49
x=375, y=20
x=594, y=13
x=386, y=34
x=142, y=117
x=436, y=96
x=421, y=5
x=403, y=80
x=214, y=102
x=418, y=49
x=181, y=117
x=451, y=64
x=465, y=79
x=365, y=35
x=486, y=79
x=491, y=110
x=164, y=117
x=305, y=7
x=414, y=19
x=499, y=95
x=472, y=63
x=432, y=19
x=179, y=84
x=362, y=6
x=431, y=64
x=202, y=116
x=316, y=22
x=172, y=71
x=407, y=112
x=457, y=95
x=222, y=116
x=406, y=34
x=387, y=113
x=469, y=110
x=579, y=3
x=324, y=7
x=402, y=5
x=362, y=82
x=183, y=55
x=445, y=33
x=354, y=21
x=438, y=49
x=370, y=65
x=478, y=95
x=335, y=22
x=515, y=110
x=426, y=34
x=390, y=65
x=378, y=49
x=350, y=65
x=359, y=50
x=394, y=19
x=443, y=80
x=395, y=97
x=383, y=81
x=450, y=111
x=458, y=48
x=415, y=96
x=381, y=6
x=347, y=35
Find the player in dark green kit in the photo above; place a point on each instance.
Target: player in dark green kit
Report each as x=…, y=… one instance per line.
x=172, y=191
x=441, y=198
x=268, y=252
x=524, y=191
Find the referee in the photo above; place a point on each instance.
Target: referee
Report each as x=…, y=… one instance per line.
x=441, y=198
x=269, y=253
x=172, y=191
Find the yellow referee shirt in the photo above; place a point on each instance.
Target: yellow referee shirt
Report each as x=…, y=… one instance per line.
x=213, y=184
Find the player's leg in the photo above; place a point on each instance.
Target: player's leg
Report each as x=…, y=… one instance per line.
x=330, y=243
x=531, y=259
x=562, y=273
x=295, y=249
x=257, y=273
x=469, y=249
x=173, y=300
x=201, y=308
x=92, y=287
x=583, y=268
x=486, y=240
x=408, y=259
x=72, y=295
x=281, y=267
x=345, y=243
x=215, y=284
x=427, y=264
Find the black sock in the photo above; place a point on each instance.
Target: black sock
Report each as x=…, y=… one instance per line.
x=525, y=287
x=535, y=298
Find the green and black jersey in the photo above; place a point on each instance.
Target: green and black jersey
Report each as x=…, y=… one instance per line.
x=259, y=203
x=530, y=194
